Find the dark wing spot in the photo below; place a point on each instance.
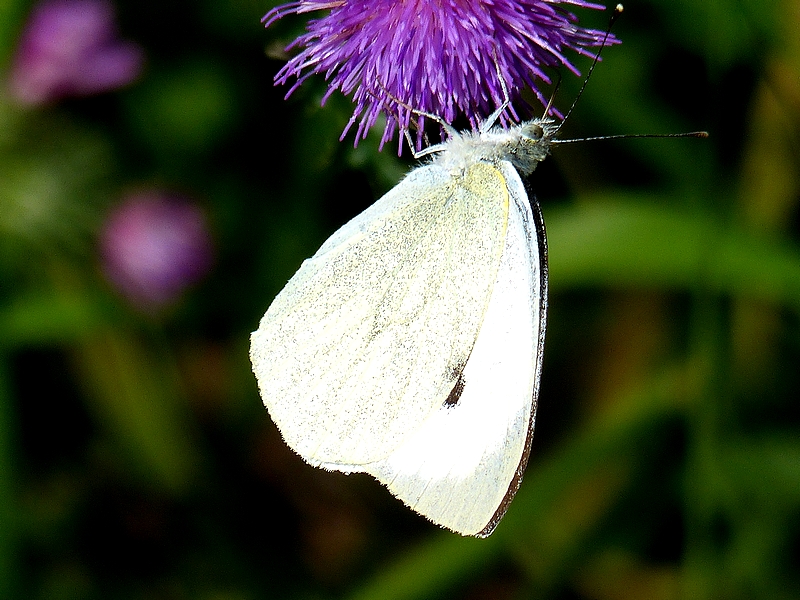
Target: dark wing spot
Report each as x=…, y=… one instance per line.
x=458, y=389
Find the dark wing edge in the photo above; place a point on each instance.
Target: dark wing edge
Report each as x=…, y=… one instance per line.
x=541, y=234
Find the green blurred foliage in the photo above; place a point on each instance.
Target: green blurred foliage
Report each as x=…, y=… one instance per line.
x=136, y=460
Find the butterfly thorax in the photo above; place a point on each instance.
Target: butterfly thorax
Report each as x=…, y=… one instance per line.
x=524, y=145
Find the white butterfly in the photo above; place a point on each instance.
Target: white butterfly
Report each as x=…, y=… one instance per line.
x=410, y=345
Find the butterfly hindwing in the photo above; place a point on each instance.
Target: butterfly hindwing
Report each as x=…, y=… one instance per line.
x=461, y=468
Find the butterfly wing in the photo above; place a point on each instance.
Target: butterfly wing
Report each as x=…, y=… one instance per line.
x=464, y=464
x=369, y=337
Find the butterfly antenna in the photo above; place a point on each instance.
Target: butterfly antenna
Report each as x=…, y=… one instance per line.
x=552, y=99
x=614, y=16
x=624, y=136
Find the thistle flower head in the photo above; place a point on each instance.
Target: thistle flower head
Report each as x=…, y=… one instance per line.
x=442, y=57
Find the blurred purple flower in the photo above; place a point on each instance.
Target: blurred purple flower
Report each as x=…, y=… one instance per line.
x=436, y=56
x=70, y=48
x=154, y=245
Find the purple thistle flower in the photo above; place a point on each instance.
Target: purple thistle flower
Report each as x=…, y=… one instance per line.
x=443, y=57
x=70, y=48
x=154, y=245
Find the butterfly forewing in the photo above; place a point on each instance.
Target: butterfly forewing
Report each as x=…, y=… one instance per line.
x=367, y=339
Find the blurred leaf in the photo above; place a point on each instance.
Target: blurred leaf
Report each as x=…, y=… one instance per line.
x=9, y=521
x=10, y=119
x=137, y=395
x=11, y=16
x=53, y=178
x=51, y=319
x=768, y=470
x=239, y=19
x=182, y=112
x=614, y=574
x=429, y=568
x=725, y=30
x=614, y=241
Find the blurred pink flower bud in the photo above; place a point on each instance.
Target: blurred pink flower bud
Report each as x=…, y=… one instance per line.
x=70, y=48
x=154, y=245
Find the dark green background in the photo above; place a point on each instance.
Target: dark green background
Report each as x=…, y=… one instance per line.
x=136, y=460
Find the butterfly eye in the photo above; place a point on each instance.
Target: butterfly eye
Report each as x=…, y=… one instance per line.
x=532, y=131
